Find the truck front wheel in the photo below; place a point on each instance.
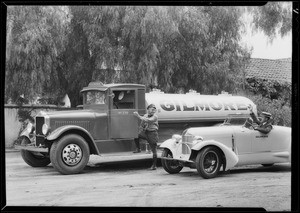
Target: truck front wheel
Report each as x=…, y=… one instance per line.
x=70, y=154
x=34, y=159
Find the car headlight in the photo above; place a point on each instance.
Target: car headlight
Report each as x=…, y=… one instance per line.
x=197, y=139
x=176, y=137
x=45, y=129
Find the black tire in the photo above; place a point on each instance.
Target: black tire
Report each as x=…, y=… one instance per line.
x=171, y=166
x=268, y=165
x=208, y=162
x=70, y=154
x=34, y=159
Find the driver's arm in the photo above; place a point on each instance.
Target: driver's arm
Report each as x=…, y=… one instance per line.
x=265, y=129
x=254, y=118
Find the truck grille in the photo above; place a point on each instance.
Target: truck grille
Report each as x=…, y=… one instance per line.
x=83, y=124
x=39, y=122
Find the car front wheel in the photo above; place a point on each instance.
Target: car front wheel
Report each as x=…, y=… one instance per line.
x=208, y=162
x=171, y=166
x=70, y=154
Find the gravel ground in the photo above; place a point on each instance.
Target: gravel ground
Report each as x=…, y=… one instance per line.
x=131, y=184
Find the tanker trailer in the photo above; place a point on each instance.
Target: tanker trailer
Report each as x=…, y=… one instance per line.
x=177, y=112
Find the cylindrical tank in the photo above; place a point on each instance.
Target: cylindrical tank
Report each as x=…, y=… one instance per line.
x=195, y=107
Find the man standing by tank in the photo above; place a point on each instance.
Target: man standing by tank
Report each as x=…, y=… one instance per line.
x=148, y=131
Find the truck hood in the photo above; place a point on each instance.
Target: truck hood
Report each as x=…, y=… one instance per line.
x=71, y=114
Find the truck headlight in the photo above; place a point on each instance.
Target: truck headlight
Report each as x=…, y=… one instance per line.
x=45, y=129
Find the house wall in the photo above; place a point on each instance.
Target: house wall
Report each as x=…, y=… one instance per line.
x=12, y=125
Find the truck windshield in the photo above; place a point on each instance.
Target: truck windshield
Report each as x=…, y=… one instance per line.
x=94, y=97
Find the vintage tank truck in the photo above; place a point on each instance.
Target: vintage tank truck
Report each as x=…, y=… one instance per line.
x=106, y=123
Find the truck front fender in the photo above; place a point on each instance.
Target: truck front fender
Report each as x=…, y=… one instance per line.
x=231, y=158
x=63, y=129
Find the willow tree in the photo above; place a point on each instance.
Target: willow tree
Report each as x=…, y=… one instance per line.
x=35, y=39
x=273, y=18
x=60, y=49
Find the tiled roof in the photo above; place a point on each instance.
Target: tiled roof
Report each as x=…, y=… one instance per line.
x=280, y=69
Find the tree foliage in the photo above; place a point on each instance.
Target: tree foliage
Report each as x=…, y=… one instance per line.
x=53, y=50
x=270, y=89
x=273, y=18
x=280, y=110
x=35, y=39
x=168, y=47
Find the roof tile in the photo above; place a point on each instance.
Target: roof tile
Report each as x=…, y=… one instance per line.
x=280, y=70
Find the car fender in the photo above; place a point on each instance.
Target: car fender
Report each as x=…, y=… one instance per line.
x=61, y=130
x=170, y=144
x=231, y=158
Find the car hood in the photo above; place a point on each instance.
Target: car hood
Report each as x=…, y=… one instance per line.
x=211, y=133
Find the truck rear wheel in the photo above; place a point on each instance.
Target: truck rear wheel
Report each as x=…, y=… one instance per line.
x=171, y=166
x=34, y=159
x=70, y=154
x=208, y=162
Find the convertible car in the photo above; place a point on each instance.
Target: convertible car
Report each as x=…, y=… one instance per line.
x=231, y=144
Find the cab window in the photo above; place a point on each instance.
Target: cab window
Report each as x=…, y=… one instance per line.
x=124, y=99
x=94, y=97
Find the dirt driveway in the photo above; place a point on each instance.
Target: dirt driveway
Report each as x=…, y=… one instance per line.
x=131, y=184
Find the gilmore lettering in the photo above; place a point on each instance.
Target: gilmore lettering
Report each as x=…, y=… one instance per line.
x=169, y=105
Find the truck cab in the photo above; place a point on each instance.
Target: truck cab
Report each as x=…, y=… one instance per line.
x=118, y=102
x=106, y=124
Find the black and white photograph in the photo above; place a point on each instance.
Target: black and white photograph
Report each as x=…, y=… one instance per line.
x=149, y=107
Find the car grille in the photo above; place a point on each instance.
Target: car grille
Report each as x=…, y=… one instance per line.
x=187, y=139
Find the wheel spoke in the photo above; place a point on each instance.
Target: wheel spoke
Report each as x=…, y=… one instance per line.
x=210, y=162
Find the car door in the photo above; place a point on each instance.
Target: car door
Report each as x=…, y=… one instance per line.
x=243, y=140
x=260, y=142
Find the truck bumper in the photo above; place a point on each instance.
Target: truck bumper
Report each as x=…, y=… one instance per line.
x=31, y=148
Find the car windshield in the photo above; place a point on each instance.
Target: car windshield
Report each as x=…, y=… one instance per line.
x=94, y=97
x=236, y=119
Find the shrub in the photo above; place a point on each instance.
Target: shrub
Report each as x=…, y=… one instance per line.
x=280, y=109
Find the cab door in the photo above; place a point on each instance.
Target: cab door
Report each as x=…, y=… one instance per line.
x=123, y=124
